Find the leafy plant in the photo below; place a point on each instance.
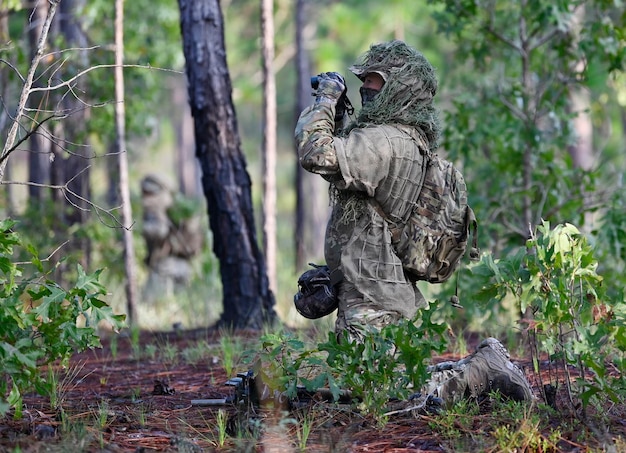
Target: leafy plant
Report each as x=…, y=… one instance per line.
x=518, y=110
x=283, y=362
x=388, y=363
x=456, y=422
x=518, y=92
x=41, y=322
x=519, y=428
x=578, y=324
x=572, y=319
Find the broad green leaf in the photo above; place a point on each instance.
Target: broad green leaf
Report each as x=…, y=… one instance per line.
x=50, y=302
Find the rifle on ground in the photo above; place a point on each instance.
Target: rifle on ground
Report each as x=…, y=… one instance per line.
x=251, y=390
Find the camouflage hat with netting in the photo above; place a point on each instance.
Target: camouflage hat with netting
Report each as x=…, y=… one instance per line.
x=408, y=92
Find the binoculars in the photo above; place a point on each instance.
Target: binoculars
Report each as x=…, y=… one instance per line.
x=343, y=104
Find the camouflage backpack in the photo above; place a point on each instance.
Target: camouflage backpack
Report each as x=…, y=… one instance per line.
x=434, y=238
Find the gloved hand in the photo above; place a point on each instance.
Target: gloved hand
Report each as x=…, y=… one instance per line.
x=331, y=86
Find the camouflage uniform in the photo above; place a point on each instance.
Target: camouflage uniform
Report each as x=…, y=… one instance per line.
x=377, y=166
x=382, y=162
x=170, y=242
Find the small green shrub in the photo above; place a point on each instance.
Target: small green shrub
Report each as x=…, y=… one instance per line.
x=389, y=363
x=454, y=423
x=285, y=361
x=572, y=318
x=41, y=322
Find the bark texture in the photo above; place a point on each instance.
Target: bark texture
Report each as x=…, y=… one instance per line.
x=248, y=300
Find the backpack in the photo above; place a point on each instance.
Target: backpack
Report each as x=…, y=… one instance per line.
x=433, y=239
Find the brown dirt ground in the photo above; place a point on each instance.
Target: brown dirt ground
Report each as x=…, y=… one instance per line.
x=116, y=403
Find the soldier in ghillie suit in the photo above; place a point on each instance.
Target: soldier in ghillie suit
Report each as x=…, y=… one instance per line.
x=173, y=234
x=379, y=157
x=376, y=163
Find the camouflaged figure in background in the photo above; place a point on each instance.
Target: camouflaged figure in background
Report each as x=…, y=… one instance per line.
x=173, y=234
x=376, y=161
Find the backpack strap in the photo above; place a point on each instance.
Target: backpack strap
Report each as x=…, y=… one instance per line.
x=394, y=228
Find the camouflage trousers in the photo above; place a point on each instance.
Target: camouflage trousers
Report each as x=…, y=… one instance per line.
x=356, y=316
x=487, y=369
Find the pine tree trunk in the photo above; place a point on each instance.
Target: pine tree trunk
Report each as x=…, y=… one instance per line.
x=269, y=140
x=76, y=150
x=248, y=300
x=120, y=129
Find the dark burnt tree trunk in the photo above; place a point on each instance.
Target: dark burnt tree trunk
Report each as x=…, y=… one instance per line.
x=248, y=300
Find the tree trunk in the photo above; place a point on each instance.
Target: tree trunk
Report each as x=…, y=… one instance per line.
x=186, y=165
x=120, y=128
x=76, y=164
x=39, y=147
x=579, y=106
x=248, y=300
x=582, y=151
x=4, y=117
x=312, y=208
x=68, y=147
x=20, y=113
x=269, y=140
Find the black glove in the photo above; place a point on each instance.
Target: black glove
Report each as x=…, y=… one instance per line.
x=331, y=86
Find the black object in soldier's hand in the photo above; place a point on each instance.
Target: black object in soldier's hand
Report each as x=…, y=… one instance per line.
x=343, y=104
x=315, y=80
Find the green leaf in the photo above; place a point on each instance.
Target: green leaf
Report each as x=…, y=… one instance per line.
x=50, y=302
x=89, y=283
x=4, y=407
x=34, y=257
x=15, y=397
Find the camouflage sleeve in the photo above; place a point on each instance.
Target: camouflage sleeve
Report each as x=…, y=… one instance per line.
x=315, y=139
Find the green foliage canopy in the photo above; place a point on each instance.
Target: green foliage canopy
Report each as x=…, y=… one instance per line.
x=512, y=122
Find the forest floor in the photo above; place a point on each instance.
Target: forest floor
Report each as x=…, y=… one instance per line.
x=140, y=395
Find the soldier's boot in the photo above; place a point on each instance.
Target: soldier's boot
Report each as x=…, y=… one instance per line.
x=488, y=369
